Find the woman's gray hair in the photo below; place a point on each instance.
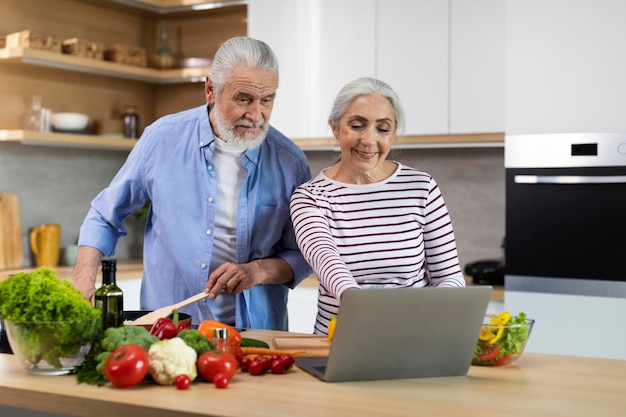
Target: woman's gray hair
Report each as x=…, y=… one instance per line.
x=367, y=86
x=240, y=52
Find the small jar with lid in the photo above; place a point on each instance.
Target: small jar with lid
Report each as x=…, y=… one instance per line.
x=131, y=122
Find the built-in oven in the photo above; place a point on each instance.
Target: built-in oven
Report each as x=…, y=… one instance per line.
x=566, y=213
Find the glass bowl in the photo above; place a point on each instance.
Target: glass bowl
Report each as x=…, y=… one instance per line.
x=501, y=344
x=51, y=348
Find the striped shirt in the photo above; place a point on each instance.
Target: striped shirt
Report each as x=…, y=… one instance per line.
x=395, y=233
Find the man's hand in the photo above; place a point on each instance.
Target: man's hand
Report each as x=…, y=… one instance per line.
x=234, y=278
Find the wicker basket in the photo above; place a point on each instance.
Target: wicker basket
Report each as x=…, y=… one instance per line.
x=124, y=54
x=84, y=48
x=30, y=39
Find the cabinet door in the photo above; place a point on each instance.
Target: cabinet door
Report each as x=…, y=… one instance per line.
x=477, y=66
x=321, y=45
x=565, y=66
x=412, y=49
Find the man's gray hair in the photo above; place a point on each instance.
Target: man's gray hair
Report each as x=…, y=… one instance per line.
x=240, y=52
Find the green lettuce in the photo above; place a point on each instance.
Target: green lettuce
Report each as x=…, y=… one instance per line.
x=40, y=297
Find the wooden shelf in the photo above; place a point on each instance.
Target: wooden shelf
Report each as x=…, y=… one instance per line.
x=99, y=67
x=176, y=6
x=30, y=137
x=478, y=140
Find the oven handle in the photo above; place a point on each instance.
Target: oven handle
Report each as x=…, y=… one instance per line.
x=570, y=179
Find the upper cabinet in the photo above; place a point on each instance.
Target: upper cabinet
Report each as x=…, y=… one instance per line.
x=477, y=66
x=413, y=57
x=445, y=59
x=566, y=68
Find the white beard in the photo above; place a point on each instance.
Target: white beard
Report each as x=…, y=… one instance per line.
x=245, y=142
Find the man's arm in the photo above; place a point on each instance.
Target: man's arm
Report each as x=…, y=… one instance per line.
x=86, y=270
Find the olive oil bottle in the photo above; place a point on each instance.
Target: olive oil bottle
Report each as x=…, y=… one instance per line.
x=109, y=297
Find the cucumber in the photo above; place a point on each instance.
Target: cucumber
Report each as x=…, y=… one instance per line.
x=247, y=342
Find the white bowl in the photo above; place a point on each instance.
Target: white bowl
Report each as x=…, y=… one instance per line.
x=69, y=121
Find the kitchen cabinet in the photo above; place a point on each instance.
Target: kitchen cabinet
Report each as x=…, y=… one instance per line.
x=565, y=66
x=445, y=59
x=320, y=45
x=101, y=88
x=477, y=66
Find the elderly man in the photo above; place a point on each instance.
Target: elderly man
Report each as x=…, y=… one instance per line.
x=219, y=179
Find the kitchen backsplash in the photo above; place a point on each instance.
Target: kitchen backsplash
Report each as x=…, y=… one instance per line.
x=55, y=185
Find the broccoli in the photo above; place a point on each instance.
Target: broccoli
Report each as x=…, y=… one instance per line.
x=197, y=341
x=116, y=336
x=92, y=369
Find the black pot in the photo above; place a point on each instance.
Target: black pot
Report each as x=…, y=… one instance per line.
x=4, y=341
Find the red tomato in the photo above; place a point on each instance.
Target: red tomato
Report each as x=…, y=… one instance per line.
x=182, y=381
x=220, y=381
x=126, y=366
x=489, y=352
x=210, y=364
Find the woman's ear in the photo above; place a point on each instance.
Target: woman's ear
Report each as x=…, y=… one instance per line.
x=334, y=129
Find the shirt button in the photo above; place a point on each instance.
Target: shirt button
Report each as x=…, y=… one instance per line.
x=203, y=265
x=210, y=167
x=201, y=143
x=210, y=199
x=208, y=232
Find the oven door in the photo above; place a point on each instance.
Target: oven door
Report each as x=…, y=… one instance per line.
x=566, y=222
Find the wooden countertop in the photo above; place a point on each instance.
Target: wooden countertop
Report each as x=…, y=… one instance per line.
x=134, y=269
x=537, y=384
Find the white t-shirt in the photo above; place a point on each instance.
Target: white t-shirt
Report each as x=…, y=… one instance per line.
x=230, y=177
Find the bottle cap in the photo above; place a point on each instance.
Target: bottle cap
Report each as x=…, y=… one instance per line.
x=109, y=265
x=220, y=333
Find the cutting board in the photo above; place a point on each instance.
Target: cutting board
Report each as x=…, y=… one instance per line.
x=315, y=346
x=11, y=254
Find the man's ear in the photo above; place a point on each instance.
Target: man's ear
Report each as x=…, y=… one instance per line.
x=209, y=90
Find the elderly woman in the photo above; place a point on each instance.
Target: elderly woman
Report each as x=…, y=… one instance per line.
x=369, y=222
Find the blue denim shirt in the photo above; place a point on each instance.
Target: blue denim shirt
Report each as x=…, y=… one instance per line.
x=172, y=165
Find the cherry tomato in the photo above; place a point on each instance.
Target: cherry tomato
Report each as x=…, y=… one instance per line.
x=255, y=368
x=288, y=360
x=220, y=381
x=244, y=362
x=126, y=366
x=278, y=366
x=182, y=381
x=265, y=361
x=210, y=364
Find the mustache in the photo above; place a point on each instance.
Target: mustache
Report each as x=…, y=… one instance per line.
x=248, y=123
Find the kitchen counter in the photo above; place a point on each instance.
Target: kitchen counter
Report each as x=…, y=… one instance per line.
x=537, y=385
x=127, y=270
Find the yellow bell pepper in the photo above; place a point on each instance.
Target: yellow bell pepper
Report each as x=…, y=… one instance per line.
x=486, y=334
x=501, y=319
x=331, y=327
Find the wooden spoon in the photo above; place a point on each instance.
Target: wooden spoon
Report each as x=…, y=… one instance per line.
x=153, y=316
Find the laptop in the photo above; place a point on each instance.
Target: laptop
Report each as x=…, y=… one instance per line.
x=388, y=333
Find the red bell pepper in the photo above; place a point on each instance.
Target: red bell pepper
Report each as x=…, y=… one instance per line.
x=165, y=328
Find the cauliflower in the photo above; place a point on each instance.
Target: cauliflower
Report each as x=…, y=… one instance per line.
x=170, y=358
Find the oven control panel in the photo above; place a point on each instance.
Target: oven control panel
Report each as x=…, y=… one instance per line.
x=562, y=150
